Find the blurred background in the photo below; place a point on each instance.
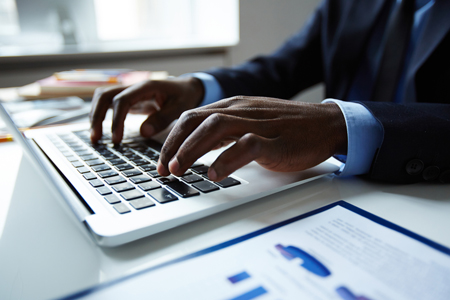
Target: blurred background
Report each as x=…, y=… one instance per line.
x=40, y=37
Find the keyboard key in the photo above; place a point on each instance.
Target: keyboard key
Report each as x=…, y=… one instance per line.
x=83, y=170
x=206, y=176
x=89, y=176
x=97, y=146
x=112, y=199
x=131, y=155
x=71, y=158
x=205, y=186
x=106, y=174
x=77, y=147
x=166, y=180
x=140, y=179
x=121, y=208
x=109, y=156
x=182, y=189
x=140, y=150
x=83, y=152
x=117, y=161
x=64, y=135
x=66, y=153
x=152, y=156
x=77, y=164
x=130, y=195
x=89, y=157
x=139, y=162
x=227, y=182
x=142, y=203
x=191, y=178
x=147, y=186
x=115, y=180
x=124, y=167
x=101, y=168
x=150, y=152
x=94, y=162
x=154, y=174
x=122, y=149
x=137, y=146
x=200, y=170
x=104, y=191
x=96, y=183
x=102, y=150
x=60, y=147
x=162, y=195
x=197, y=164
x=146, y=168
x=188, y=172
x=123, y=187
x=132, y=144
x=81, y=133
x=130, y=173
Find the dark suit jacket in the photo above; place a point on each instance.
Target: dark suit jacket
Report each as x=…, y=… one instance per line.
x=329, y=49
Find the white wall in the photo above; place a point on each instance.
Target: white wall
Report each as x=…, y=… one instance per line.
x=264, y=25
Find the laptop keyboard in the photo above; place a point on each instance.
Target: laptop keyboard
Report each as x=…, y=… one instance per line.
x=126, y=176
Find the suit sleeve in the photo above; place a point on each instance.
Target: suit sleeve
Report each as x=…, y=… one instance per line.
x=415, y=144
x=295, y=66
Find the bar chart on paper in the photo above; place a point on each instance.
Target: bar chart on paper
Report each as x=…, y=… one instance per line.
x=339, y=254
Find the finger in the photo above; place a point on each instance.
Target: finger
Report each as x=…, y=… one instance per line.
x=186, y=124
x=206, y=136
x=125, y=100
x=101, y=102
x=248, y=148
x=188, y=121
x=159, y=120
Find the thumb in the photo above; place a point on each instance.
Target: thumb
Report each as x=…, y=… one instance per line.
x=158, y=121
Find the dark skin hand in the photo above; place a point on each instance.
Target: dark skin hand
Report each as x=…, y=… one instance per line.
x=163, y=101
x=279, y=135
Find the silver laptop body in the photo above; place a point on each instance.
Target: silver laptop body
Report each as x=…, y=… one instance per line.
x=49, y=151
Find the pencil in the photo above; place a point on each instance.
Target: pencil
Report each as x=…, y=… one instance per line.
x=9, y=138
x=6, y=138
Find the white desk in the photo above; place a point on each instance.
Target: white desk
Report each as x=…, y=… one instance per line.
x=45, y=254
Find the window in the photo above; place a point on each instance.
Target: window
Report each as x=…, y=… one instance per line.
x=36, y=27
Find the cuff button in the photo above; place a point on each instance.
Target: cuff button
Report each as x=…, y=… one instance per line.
x=445, y=177
x=414, y=167
x=431, y=173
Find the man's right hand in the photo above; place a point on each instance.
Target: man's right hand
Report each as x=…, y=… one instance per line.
x=163, y=101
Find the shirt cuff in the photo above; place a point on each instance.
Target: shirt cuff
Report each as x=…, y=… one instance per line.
x=213, y=90
x=364, y=134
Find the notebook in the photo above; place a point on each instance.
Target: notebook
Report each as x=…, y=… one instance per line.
x=117, y=193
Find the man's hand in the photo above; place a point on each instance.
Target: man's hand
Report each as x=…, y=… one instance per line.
x=278, y=134
x=163, y=101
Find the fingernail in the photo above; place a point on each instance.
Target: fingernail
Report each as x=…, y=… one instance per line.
x=147, y=130
x=212, y=174
x=174, y=165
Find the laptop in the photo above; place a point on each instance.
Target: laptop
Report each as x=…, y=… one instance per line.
x=117, y=193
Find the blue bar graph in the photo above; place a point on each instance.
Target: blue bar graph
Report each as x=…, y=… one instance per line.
x=347, y=294
x=238, y=277
x=251, y=294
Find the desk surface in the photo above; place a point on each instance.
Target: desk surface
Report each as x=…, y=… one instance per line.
x=44, y=253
